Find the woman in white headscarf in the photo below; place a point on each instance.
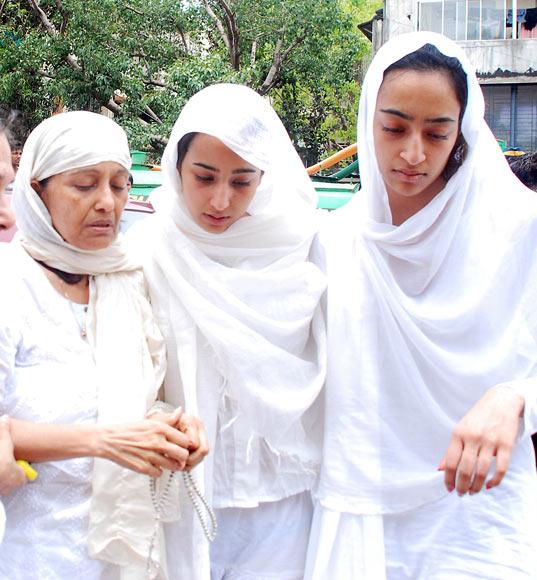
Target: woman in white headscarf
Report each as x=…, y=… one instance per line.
x=236, y=297
x=81, y=362
x=428, y=470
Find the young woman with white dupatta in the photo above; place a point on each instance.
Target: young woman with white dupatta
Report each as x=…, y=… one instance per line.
x=428, y=468
x=81, y=361
x=236, y=299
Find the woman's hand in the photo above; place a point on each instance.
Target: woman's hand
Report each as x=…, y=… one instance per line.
x=148, y=446
x=11, y=475
x=488, y=430
x=195, y=431
x=193, y=428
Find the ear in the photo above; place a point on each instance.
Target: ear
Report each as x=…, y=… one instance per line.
x=36, y=186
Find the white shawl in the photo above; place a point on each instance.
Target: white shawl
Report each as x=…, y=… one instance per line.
x=423, y=317
x=237, y=308
x=128, y=349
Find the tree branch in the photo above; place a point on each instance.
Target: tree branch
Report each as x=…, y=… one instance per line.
x=218, y=22
x=155, y=83
x=253, y=52
x=65, y=17
x=150, y=113
x=277, y=60
x=135, y=10
x=228, y=30
x=233, y=33
x=52, y=30
x=2, y=6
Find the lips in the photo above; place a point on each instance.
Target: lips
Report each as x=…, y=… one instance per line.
x=101, y=225
x=216, y=219
x=409, y=176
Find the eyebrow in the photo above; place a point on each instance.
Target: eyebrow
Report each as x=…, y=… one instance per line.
x=234, y=172
x=407, y=117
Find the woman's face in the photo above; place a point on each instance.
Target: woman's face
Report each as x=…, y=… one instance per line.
x=85, y=204
x=7, y=217
x=218, y=185
x=415, y=127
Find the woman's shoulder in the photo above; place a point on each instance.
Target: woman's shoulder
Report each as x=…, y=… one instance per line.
x=13, y=266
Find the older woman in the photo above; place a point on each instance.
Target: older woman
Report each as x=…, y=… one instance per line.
x=237, y=299
x=81, y=362
x=431, y=395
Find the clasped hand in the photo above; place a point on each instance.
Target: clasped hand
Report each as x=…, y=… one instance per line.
x=170, y=441
x=487, y=431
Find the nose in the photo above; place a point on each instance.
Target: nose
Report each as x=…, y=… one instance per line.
x=106, y=200
x=221, y=198
x=413, y=152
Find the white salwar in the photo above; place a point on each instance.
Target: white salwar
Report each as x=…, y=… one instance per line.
x=238, y=312
x=124, y=359
x=422, y=319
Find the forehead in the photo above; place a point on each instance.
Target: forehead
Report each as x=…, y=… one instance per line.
x=105, y=167
x=206, y=147
x=416, y=90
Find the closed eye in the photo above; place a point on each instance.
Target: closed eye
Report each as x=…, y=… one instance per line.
x=204, y=178
x=438, y=137
x=392, y=129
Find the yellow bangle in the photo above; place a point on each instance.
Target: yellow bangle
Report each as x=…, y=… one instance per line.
x=29, y=471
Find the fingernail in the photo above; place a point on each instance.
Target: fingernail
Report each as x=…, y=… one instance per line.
x=450, y=488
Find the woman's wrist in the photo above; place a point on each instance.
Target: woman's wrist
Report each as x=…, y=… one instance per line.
x=511, y=389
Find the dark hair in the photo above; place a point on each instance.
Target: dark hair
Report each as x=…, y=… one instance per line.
x=525, y=168
x=183, y=146
x=429, y=59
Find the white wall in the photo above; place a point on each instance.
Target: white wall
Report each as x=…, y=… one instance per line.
x=488, y=56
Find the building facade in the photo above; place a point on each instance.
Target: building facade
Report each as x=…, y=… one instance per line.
x=502, y=48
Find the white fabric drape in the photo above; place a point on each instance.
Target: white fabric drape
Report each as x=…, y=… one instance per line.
x=128, y=349
x=237, y=308
x=423, y=317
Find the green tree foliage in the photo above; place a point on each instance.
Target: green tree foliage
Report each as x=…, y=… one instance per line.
x=142, y=59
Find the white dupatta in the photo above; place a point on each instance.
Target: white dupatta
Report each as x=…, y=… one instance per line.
x=424, y=317
x=238, y=308
x=127, y=347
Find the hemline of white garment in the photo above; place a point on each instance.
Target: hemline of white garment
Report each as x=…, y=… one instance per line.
x=432, y=542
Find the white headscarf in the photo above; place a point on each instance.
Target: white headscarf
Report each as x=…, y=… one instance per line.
x=128, y=350
x=239, y=306
x=427, y=315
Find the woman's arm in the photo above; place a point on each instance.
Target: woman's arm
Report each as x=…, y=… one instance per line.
x=146, y=446
x=489, y=430
x=11, y=475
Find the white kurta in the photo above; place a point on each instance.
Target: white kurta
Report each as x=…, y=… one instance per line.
x=490, y=535
x=47, y=374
